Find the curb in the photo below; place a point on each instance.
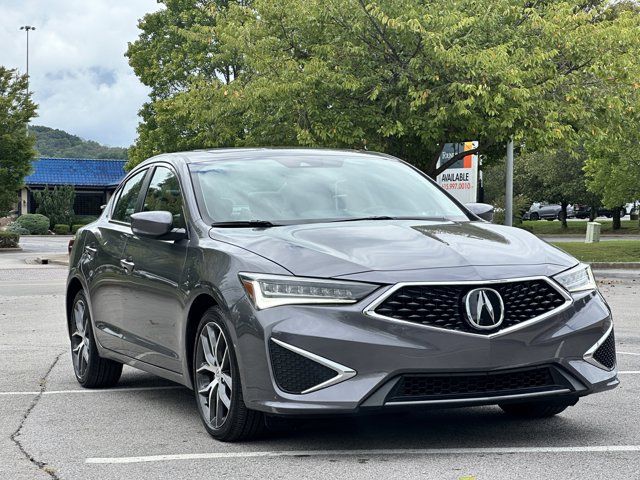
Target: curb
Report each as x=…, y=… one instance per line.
x=53, y=235
x=15, y=249
x=54, y=259
x=615, y=265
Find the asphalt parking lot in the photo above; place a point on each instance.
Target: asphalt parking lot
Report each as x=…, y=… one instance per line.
x=148, y=427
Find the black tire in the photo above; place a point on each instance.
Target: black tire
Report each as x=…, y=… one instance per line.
x=534, y=216
x=536, y=409
x=91, y=370
x=239, y=423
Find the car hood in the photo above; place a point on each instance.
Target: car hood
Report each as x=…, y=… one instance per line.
x=335, y=249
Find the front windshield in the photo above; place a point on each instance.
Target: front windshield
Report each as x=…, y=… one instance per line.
x=287, y=188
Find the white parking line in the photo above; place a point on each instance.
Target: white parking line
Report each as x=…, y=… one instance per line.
x=113, y=390
x=400, y=451
x=630, y=353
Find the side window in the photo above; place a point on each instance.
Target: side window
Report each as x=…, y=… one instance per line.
x=126, y=204
x=164, y=194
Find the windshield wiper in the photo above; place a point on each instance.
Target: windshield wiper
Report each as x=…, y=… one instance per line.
x=357, y=219
x=245, y=224
x=387, y=217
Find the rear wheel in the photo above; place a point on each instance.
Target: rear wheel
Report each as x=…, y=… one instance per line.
x=534, y=216
x=536, y=409
x=217, y=383
x=92, y=371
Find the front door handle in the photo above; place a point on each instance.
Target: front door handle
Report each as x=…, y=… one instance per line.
x=127, y=265
x=91, y=251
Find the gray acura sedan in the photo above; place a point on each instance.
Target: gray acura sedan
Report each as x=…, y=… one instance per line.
x=307, y=282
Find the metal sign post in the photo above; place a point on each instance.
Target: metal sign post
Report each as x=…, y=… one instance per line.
x=508, y=195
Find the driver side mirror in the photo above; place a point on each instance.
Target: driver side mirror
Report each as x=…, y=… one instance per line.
x=482, y=210
x=157, y=224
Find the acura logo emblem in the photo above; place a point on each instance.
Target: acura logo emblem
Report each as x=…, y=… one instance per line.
x=484, y=308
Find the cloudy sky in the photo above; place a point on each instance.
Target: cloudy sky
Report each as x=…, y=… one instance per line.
x=79, y=75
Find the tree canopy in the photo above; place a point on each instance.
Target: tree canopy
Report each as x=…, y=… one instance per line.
x=16, y=148
x=398, y=76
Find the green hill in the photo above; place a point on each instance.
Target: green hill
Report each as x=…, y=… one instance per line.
x=51, y=142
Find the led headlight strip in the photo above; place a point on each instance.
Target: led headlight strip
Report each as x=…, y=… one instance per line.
x=266, y=291
x=577, y=279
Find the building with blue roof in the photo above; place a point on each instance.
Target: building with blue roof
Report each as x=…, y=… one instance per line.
x=94, y=181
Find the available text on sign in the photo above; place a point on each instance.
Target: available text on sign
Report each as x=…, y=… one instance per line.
x=461, y=179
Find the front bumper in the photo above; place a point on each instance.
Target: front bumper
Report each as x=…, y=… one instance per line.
x=380, y=352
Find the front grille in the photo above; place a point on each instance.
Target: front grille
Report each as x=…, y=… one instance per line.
x=605, y=354
x=473, y=385
x=442, y=306
x=294, y=373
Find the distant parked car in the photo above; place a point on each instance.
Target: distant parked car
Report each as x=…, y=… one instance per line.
x=584, y=211
x=629, y=207
x=552, y=211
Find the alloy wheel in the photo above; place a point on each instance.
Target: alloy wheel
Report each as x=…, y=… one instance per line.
x=79, y=338
x=213, y=375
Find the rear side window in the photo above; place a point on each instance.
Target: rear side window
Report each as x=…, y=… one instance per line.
x=164, y=194
x=129, y=193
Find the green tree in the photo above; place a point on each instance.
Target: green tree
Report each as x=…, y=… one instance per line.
x=16, y=148
x=398, y=76
x=556, y=176
x=56, y=203
x=51, y=142
x=614, y=173
x=613, y=150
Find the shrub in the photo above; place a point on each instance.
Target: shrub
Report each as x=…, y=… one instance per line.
x=56, y=203
x=520, y=204
x=9, y=239
x=75, y=228
x=61, y=229
x=35, y=223
x=13, y=227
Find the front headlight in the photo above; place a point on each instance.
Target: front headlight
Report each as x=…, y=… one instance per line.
x=577, y=279
x=266, y=291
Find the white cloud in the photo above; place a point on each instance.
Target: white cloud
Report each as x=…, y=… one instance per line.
x=79, y=74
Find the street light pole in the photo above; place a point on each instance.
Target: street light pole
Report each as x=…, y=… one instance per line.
x=27, y=28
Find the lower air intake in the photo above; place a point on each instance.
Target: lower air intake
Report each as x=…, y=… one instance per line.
x=606, y=353
x=294, y=373
x=424, y=387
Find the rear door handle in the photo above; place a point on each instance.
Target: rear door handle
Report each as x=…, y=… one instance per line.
x=127, y=265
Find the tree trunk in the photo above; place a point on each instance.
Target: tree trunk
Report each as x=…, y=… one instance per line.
x=593, y=213
x=616, y=218
x=563, y=214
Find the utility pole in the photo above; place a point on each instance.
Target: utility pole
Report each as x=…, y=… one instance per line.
x=27, y=28
x=508, y=194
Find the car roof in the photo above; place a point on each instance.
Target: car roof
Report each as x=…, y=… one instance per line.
x=219, y=154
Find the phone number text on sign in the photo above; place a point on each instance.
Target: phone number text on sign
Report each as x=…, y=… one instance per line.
x=456, y=186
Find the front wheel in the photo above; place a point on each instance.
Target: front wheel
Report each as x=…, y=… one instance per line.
x=217, y=383
x=92, y=371
x=536, y=409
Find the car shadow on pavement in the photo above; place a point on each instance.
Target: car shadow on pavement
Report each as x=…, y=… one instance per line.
x=435, y=428
x=442, y=428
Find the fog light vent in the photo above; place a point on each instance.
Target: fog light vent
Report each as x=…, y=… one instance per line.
x=295, y=373
x=605, y=354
